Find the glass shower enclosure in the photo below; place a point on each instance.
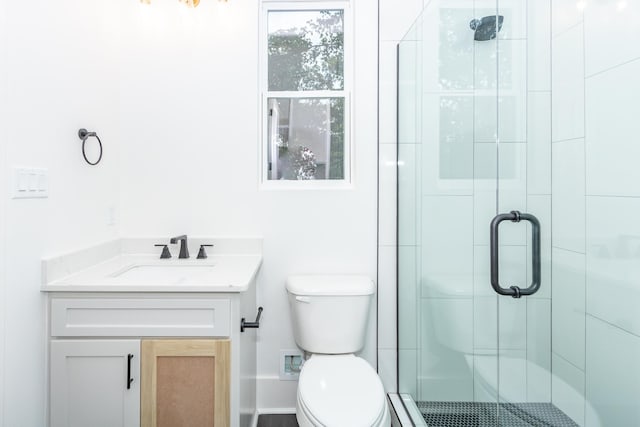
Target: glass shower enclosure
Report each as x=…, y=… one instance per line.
x=502, y=256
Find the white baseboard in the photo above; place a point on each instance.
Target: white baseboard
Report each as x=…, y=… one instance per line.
x=274, y=394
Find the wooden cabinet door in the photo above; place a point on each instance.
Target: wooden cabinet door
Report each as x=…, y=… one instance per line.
x=185, y=383
x=90, y=383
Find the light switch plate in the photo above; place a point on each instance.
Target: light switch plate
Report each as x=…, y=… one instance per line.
x=30, y=183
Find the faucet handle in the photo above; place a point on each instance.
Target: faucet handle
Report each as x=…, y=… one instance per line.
x=165, y=251
x=202, y=253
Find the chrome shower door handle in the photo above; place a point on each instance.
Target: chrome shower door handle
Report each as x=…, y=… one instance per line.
x=515, y=291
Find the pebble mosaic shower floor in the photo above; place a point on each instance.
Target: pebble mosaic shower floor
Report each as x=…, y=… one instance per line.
x=472, y=414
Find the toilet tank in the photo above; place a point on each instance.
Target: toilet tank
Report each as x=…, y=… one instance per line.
x=330, y=313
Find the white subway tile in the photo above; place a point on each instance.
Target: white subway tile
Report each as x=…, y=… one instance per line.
x=408, y=379
x=513, y=376
x=539, y=143
x=539, y=45
x=501, y=64
x=409, y=297
x=447, y=245
x=387, y=198
x=538, y=350
x=613, y=376
x=613, y=270
x=503, y=117
x=568, y=199
x=566, y=13
x=447, y=155
x=568, y=306
x=396, y=17
x=512, y=315
x=387, y=369
x=485, y=322
x=611, y=33
x=387, y=297
x=408, y=195
x=568, y=99
x=446, y=339
x=388, y=91
x=612, y=131
x=567, y=389
x=512, y=381
x=447, y=60
x=512, y=319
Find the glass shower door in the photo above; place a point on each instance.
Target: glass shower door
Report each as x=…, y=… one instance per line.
x=448, y=179
x=467, y=355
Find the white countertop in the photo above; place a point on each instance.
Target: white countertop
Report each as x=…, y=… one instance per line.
x=126, y=272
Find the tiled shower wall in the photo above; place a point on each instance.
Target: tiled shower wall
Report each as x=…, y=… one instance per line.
x=596, y=204
x=592, y=163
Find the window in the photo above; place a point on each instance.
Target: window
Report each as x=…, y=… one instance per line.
x=305, y=92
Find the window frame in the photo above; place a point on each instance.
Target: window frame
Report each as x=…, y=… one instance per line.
x=345, y=93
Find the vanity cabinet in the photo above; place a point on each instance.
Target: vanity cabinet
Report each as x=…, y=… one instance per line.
x=151, y=360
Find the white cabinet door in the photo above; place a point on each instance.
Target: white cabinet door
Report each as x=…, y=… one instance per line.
x=89, y=383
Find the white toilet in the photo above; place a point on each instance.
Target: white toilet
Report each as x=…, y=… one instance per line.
x=336, y=388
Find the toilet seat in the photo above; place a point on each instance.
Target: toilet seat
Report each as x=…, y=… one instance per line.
x=341, y=390
x=306, y=419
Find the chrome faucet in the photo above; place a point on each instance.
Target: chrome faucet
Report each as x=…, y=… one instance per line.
x=184, y=250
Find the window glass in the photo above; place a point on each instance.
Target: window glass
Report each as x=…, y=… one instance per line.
x=306, y=138
x=306, y=50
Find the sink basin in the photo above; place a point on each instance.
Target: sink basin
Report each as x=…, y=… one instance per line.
x=164, y=274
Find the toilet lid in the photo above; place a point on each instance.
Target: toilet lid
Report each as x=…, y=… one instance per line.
x=341, y=391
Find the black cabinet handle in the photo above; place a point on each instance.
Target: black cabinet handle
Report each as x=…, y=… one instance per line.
x=515, y=291
x=129, y=379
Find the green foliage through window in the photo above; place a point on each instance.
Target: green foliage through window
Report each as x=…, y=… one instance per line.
x=306, y=133
x=308, y=55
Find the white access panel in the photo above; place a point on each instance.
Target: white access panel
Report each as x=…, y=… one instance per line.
x=89, y=383
x=108, y=317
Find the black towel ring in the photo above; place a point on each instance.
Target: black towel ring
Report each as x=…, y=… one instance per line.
x=84, y=135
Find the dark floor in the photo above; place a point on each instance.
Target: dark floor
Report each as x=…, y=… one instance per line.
x=277, y=420
x=472, y=414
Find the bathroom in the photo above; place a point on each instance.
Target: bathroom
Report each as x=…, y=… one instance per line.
x=441, y=133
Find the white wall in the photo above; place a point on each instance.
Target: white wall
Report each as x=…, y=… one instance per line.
x=59, y=66
x=189, y=116
x=173, y=93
